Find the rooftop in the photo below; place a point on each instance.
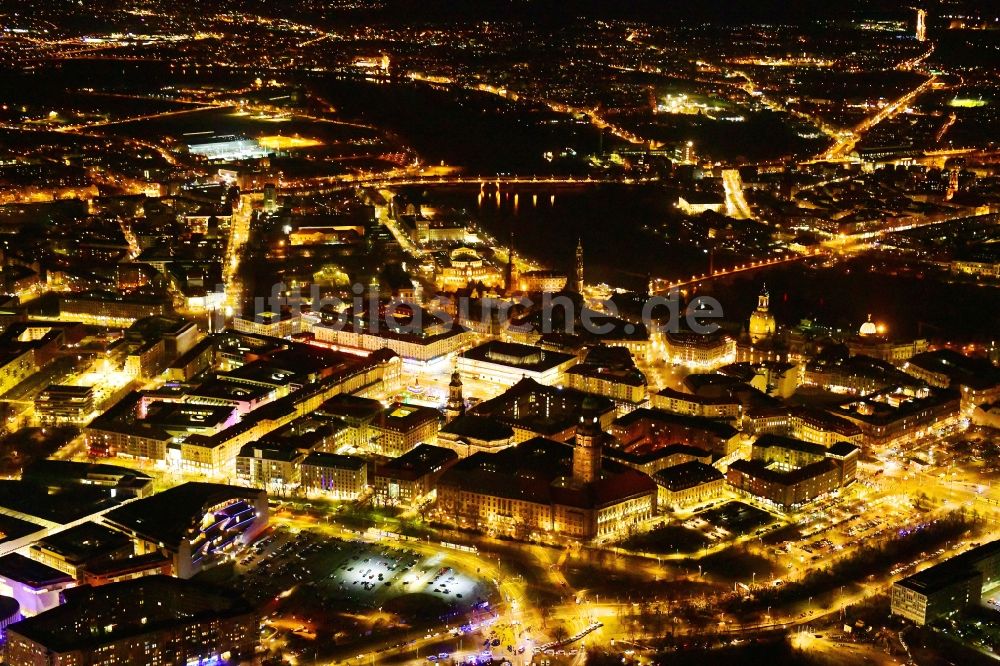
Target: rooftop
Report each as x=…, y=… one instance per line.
x=961, y=370
x=168, y=516
x=323, y=459
x=687, y=475
x=279, y=454
x=546, y=410
x=24, y=570
x=423, y=459
x=84, y=542
x=402, y=417
x=473, y=426
x=717, y=428
x=92, y=616
x=515, y=355
x=58, y=504
x=351, y=407
x=761, y=470
x=539, y=470
x=187, y=415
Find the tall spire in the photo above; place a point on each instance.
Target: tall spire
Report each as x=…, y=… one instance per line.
x=455, y=406
x=579, y=265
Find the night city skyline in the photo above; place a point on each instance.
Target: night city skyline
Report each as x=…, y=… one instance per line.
x=499, y=333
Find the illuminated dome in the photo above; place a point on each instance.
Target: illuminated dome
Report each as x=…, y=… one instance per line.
x=869, y=327
x=762, y=324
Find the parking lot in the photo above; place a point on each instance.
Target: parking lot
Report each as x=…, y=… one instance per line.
x=321, y=591
x=729, y=520
x=363, y=574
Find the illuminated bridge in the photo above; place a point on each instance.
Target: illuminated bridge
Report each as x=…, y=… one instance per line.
x=381, y=181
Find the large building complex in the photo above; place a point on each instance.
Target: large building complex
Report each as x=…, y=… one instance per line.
x=196, y=524
x=543, y=489
x=536, y=410
x=151, y=620
x=948, y=587
x=334, y=476
x=507, y=363
x=789, y=473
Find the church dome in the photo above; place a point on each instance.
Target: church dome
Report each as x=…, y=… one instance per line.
x=762, y=323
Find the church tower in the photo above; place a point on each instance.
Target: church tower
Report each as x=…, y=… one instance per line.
x=587, y=447
x=456, y=401
x=579, y=266
x=762, y=325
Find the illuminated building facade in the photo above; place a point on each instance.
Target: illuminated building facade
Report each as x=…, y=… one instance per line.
x=982, y=267
x=15, y=367
x=884, y=348
x=400, y=427
x=530, y=491
x=808, y=424
x=948, y=587
x=789, y=473
x=507, y=363
x=851, y=375
x=762, y=323
x=696, y=203
x=688, y=484
x=151, y=620
x=610, y=372
x=688, y=404
x=59, y=403
x=111, y=309
x=36, y=586
x=542, y=281
x=697, y=351
x=412, y=477
x=893, y=415
x=464, y=267
x=268, y=467
x=423, y=347
x=80, y=547
x=334, y=476
x=976, y=379
x=273, y=324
